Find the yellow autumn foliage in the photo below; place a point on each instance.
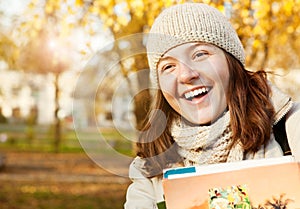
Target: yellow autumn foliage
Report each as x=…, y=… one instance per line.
x=261, y=24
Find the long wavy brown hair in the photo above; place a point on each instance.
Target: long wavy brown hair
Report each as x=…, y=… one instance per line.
x=251, y=113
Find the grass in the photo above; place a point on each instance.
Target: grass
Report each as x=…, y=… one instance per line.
x=63, y=196
x=40, y=138
x=58, y=195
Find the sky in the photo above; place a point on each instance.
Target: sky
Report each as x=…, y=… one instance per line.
x=12, y=7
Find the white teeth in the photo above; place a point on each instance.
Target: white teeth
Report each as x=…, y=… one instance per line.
x=191, y=94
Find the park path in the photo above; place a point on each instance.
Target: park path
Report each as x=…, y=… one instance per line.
x=58, y=167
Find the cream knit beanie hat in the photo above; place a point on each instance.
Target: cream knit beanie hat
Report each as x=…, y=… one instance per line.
x=190, y=22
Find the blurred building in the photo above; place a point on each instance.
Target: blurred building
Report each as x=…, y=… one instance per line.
x=24, y=96
x=87, y=99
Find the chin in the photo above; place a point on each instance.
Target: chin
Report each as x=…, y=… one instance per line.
x=202, y=121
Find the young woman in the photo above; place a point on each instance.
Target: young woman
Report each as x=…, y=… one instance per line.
x=208, y=108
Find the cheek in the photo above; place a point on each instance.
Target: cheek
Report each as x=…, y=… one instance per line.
x=222, y=76
x=225, y=81
x=168, y=84
x=173, y=102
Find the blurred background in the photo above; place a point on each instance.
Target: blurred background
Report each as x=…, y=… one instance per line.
x=74, y=90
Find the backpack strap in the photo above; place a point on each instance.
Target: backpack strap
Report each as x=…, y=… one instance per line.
x=281, y=137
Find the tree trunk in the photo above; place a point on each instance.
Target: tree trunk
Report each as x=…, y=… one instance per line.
x=57, y=122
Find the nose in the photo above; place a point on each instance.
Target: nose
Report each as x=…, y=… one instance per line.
x=186, y=74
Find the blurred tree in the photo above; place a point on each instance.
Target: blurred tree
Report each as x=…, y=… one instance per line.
x=122, y=19
x=269, y=30
x=46, y=50
x=8, y=48
x=9, y=52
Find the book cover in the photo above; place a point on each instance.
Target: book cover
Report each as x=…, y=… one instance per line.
x=229, y=197
x=254, y=184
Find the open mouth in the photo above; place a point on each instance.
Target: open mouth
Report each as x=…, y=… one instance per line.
x=197, y=93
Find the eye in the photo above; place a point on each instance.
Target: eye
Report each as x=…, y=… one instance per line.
x=200, y=55
x=168, y=67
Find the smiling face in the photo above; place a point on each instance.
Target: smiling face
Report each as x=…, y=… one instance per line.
x=194, y=80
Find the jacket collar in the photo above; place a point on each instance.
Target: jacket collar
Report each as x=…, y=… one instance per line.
x=282, y=103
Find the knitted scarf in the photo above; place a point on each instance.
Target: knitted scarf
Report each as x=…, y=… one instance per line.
x=210, y=144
